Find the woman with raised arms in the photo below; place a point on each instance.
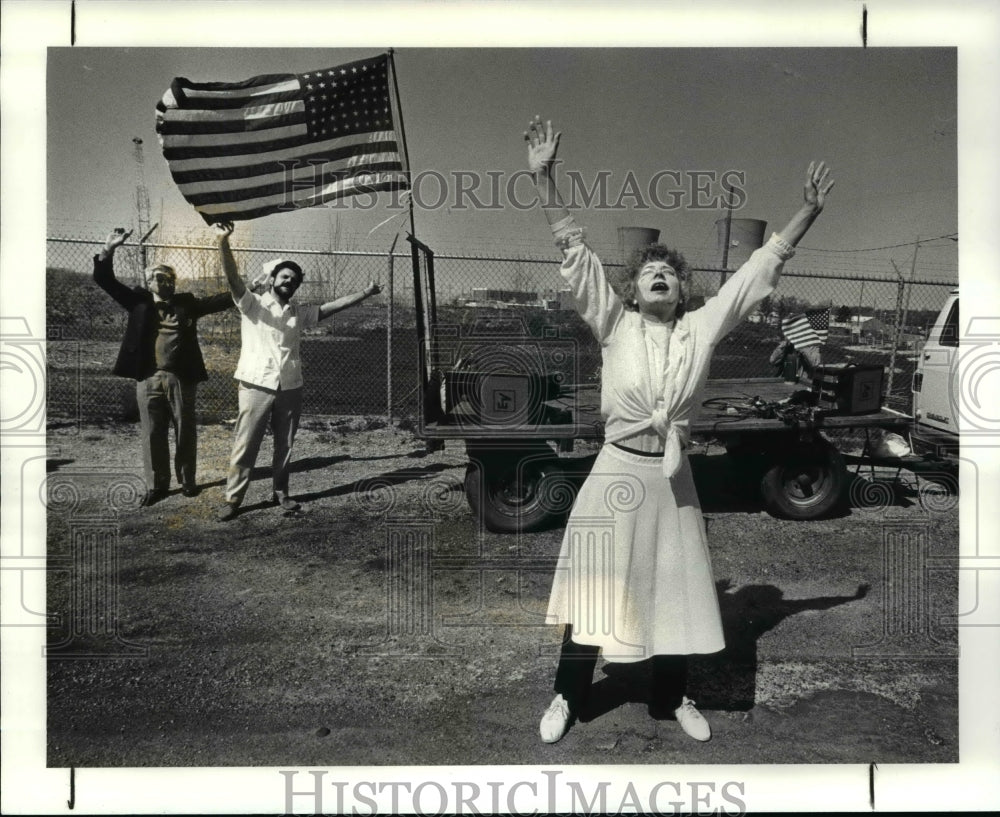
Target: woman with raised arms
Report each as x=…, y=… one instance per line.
x=634, y=576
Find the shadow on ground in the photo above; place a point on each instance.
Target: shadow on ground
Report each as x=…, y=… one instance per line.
x=726, y=680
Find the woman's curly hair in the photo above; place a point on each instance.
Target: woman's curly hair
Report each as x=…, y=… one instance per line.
x=622, y=279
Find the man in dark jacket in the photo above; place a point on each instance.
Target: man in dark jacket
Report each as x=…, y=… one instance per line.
x=160, y=352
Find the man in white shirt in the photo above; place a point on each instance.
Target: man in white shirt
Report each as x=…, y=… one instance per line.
x=270, y=368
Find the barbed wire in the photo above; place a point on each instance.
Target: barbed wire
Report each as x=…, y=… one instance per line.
x=85, y=229
x=920, y=241
x=531, y=256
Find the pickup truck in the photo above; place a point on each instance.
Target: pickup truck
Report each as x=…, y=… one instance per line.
x=519, y=414
x=935, y=416
x=521, y=476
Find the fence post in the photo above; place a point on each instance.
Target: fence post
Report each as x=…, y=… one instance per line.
x=900, y=285
x=388, y=337
x=861, y=300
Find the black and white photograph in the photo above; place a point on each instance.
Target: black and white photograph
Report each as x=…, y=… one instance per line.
x=419, y=419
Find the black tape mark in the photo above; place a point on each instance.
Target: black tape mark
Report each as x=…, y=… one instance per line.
x=864, y=26
x=871, y=785
x=72, y=35
x=72, y=787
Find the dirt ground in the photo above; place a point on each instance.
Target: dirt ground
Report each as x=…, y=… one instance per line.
x=380, y=625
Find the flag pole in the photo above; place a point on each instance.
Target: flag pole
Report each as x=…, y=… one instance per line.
x=402, y=137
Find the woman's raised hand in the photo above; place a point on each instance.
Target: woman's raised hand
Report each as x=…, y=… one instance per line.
x=542, y=144
x=818, y=184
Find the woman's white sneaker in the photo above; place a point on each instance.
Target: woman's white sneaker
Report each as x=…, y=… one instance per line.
x=692, y=721
x=555, y=721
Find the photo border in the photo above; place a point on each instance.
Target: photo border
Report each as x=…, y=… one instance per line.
x=30, y=27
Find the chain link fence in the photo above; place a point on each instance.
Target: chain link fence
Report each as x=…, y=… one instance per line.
x=362, y=362
x=345, y=358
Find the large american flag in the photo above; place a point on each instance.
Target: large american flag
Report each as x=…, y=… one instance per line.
x=809, y=328
x=278, y=142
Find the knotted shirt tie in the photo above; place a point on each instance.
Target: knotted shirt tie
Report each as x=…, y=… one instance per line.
x=675, y=434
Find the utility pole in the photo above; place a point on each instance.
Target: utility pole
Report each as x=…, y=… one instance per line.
x=141, y=201
x=909, y=289
x=902, y=307
x=388, y=335
x=861, y=300
x=900, y=288
x=727, y=238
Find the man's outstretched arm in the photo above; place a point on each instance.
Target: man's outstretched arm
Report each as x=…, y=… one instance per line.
x=330, y=307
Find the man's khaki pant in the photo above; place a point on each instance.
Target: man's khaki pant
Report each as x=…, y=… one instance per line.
x=259, y=408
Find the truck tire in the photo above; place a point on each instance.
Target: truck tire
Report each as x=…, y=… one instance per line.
x=513, y=494
x=808, y=483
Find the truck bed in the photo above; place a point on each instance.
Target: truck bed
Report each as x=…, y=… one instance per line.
x=584, y=405
x=708, y=422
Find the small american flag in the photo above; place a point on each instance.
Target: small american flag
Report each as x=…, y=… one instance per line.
x=809, y=328
x=279, y=142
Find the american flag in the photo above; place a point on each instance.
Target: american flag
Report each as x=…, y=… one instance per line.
x=278, y=142
x=809, y=328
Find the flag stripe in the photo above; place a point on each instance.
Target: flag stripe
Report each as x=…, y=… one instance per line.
x=250, y=208
x=290, y=171
x=222, y=103
x=238, y=86
x=170, y=131
x=174, y=120
x=281, y=141
x=205, y=92
x=234, y=148
x=236, y=167
x=289, y=147
x=282, y=184
x=244, y=215
x=226, y=141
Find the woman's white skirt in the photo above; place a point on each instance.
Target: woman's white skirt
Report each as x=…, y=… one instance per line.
x=634, y=576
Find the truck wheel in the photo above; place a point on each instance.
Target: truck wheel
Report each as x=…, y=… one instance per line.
x=510, y=495
x=807, y=485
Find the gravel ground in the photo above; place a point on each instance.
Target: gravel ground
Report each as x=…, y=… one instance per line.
x=379, y=625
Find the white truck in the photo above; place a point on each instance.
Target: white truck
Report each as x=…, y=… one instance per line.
x=935, y=409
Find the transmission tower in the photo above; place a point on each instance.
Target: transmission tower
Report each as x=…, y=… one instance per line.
x=141, y=201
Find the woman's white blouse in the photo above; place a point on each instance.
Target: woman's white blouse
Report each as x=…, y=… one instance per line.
x=653, y=375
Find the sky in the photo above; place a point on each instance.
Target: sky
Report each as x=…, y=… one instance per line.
x=884, y=119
